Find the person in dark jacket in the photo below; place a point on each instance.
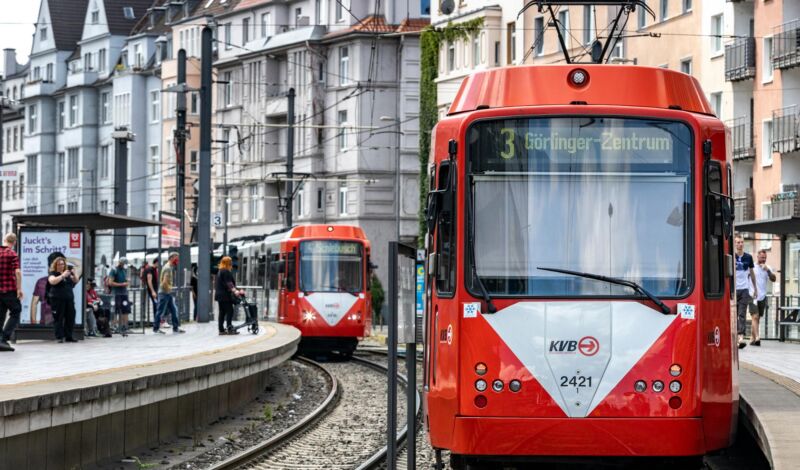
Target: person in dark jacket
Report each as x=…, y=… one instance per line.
x=62, y=299
x=226, y=294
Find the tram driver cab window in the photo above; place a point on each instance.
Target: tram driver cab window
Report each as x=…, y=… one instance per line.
x=717, y=227
x=445, y=217
x=289, y=277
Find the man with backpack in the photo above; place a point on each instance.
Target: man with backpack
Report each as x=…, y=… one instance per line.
x=118, y=281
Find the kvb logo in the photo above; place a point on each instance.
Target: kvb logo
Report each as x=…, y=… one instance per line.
x=588, y=346
x=74, y=240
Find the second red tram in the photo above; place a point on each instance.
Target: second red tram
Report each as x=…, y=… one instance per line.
x=579, y=273
x=321, y=285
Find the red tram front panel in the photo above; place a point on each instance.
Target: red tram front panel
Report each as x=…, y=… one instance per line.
x=630, y=185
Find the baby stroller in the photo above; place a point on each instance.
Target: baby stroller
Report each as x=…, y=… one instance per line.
x=250, y=315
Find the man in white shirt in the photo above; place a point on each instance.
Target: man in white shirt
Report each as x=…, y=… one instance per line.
x=763, y=273
x=745, y=279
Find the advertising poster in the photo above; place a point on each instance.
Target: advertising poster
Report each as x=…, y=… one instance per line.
x=37, y=249
x=170, y=231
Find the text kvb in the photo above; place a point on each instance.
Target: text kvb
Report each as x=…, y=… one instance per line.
x=563, y=346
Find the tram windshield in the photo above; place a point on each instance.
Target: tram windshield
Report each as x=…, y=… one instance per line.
x=607, y=196
x=331, y=266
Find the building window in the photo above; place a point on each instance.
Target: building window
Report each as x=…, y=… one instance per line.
x=319, y=199
x=33, y=169
x=265, y=25
x=226, y=147
x=49, y=73
x=95, y=16
x=72, y=163
x=154, y=170
x=686, y=66
x=298, y=12
x=193, y=161
x=716, y=103
x=589, y=31
x=641, y=18
x=451, y=56
x=511, y=42
x=254, y=203
x=60, y=167
x=16, y=138
x=687, y=5
x=227, y=90
x=497, y=53
x=32, y=119
x=105, y=116
x=87, y=62
x=339, y=10
x=60, y=208
x=103, y=163
x=245, y=30
x=43, y=33
x=101, y=60
x=104, y=206
x=476, y=50
x=766, y=143
x=766, y=61
x=194, y=99
x=343, y=200
x=37, y=73
x=664, y=9
x=155, y=101
x=228, y=43
x=73, y=110
x=342, y=138
x=344, y=65
x=72, y=207
x=563, y=26
x=716, y=34
x=538, y=34
x=300, y=204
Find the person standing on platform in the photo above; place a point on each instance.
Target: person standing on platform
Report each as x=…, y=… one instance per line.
x=151, y=284
x=166, y=298
x=763, y=274
x=118, y=280
x=745, y=278
x=193, y=287
x=62, y=299
x=10, y=290
x=226, y=294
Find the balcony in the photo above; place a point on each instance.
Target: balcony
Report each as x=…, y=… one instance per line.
x=786, y=45
x=785, y=204
x=785, y=130
x=740, y=60
x=39, y=88
x=742, y=138
x=744, y=206
x=80, y=77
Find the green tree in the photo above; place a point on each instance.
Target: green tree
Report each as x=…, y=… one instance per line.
x=378, y=295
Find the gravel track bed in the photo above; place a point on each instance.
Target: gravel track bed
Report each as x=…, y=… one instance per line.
x=350, y=434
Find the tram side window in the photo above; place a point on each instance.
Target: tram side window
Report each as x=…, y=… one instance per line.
x=714, y=232
x=290, y=271
x=274, y=270
x=445, y=230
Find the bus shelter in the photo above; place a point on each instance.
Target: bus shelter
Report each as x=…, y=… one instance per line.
x=74, y=236
x=787, y=228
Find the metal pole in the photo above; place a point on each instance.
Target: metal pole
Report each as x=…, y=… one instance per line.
x=290, y=157
x=180, y=174
x=782, y=303
x=391, y=415
x=121, y=139
x=397, y=197
x=2, y=183
x=411, y=404
x=204, y=188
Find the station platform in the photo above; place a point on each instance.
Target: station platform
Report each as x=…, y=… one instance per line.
x=769, y=393
x=69, y=405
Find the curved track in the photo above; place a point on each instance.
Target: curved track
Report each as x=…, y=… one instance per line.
x=346, y=431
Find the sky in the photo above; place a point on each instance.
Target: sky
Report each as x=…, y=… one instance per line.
x=16, y=26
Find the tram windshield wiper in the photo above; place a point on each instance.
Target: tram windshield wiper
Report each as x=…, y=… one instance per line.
x=615, y=280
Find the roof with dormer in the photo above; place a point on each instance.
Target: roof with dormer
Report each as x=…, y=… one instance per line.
x=66, y=21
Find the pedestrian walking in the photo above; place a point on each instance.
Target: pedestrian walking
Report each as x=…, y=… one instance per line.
x=10, y=290
x=166, y=297
x=193, y=287
x=227, y=295
x=763, y=274
x=61, y=298
x=118, y=281
x=745, y=278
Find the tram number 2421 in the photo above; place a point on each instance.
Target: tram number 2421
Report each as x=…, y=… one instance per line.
x=577, y=381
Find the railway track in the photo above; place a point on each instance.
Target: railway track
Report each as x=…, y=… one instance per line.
x=346, y=431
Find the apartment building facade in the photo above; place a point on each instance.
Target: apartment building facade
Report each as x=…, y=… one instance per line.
x=354, y=67
x=12, y=191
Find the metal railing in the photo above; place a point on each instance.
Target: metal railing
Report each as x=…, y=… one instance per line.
x=740, y=59
x=785, y=129
x=744, y=207
x=769, y=326
x=742, y=137
x=785, y=204
x=786, y=45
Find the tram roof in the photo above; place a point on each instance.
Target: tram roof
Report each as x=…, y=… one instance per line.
x=610, y=85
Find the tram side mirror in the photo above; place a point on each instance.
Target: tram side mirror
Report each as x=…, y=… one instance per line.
x=714, y=215
x=432, y=210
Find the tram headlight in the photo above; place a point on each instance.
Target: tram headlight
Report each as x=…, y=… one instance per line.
x=578, y=77
x=658, y=386
x=674, y=386
x=497, y=385
x=480, y=385
x=480, y=368
x=675, y=370
x=640, y=386
x=308, y=316
x=515, y=385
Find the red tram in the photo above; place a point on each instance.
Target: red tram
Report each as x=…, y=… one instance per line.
x=319, y=283
x=579, y=274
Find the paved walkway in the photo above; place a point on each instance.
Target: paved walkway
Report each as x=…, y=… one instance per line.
x=35, y=361
x=774, y=356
